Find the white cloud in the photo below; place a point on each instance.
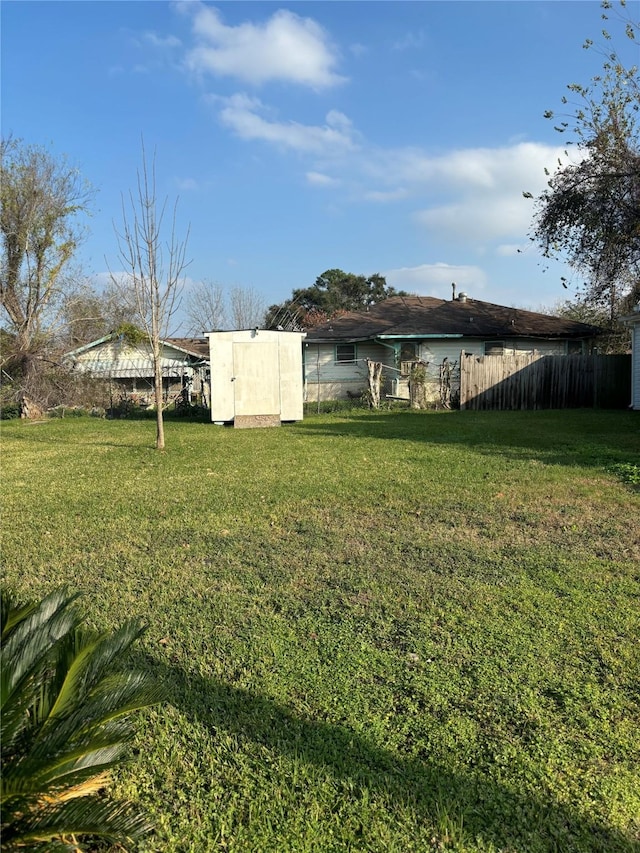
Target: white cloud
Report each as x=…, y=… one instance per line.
x=479, y=218
x=187, y=184
x=476, y=192
x=472, y=195
x=162, y=41
x=386, y=195
x=106, y=279
x=468, y=169
x=318, y=179
x=285, y=47
x=241, y=114
x=433, y=279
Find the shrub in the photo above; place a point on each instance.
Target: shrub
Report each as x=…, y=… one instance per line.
x=67, y=412
x=65, y=723
x=9, y=411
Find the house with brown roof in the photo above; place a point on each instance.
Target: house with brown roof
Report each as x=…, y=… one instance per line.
x=407, y=330
x=128, y=366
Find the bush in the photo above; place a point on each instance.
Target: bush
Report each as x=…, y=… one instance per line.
x=9, y=411
x=331, y=406
x=67, y=412
x=65, y=723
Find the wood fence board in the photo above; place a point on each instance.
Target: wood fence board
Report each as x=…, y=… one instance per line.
x=523, y=381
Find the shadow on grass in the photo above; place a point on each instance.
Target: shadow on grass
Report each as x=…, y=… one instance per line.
x=593, y=438
x=483, y=810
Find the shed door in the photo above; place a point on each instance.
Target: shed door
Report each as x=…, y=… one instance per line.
x=257, y=382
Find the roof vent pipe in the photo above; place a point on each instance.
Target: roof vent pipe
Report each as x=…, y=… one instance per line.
x=453, y=288
x=462, y=297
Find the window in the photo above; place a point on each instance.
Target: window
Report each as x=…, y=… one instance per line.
x=408, y=357
x=346, y=352
x=574, y=347
x=494, y=347
x=408, y=351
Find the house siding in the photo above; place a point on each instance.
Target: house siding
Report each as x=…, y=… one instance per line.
x=130, y=368
x=118, y=360
x=327, y=379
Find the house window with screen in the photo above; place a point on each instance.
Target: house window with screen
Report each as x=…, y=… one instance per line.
x=574, y=347
x=408, y=351
x=494, y=347
x=346, y=352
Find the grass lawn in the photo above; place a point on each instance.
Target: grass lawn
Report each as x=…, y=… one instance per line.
x=380, y=631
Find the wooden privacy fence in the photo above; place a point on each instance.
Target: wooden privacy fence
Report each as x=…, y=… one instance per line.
x=524, y=381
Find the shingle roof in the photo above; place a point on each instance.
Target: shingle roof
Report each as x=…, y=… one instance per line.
x=413, y=316
x=195, y=346
x=198, y=347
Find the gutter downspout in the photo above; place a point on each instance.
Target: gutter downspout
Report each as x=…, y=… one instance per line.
x=395, y=347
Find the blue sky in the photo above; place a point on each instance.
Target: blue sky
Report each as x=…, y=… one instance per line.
x=385, y=137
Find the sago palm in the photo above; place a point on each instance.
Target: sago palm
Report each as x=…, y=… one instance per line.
x=65, y=722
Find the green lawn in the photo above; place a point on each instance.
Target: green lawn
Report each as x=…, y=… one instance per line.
x=381, y=631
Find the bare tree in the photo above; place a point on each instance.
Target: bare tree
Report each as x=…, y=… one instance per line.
x=247, y=307
x=205, y=307
x=154, y=260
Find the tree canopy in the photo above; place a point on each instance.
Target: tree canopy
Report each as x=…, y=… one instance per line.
x=590, y=212
x=43, y=200
x=333, y=292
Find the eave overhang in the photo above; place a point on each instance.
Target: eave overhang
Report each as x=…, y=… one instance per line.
x=419, y=337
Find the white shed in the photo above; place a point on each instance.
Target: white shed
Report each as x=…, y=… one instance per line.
x=633, y=320
x=256, y=377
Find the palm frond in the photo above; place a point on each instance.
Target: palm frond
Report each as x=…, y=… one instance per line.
x=66, y=720
x=88, y=816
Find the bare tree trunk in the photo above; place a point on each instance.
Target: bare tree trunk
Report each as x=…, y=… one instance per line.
x=154, y=268
x=157, y=367
x=374, y=374
x=417, y=390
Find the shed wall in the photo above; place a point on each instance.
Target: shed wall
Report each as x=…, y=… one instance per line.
x=256, y=374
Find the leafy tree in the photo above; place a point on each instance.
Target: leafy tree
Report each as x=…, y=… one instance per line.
x=614, y=336
x=66, y=703
x=87, y=314
x=43, y=200
x=590, y=212
x=154, y=260
x=333, y=292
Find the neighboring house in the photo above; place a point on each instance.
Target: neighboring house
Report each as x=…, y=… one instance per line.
x=633, y=321
x=128, y=366
x=404, y=330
